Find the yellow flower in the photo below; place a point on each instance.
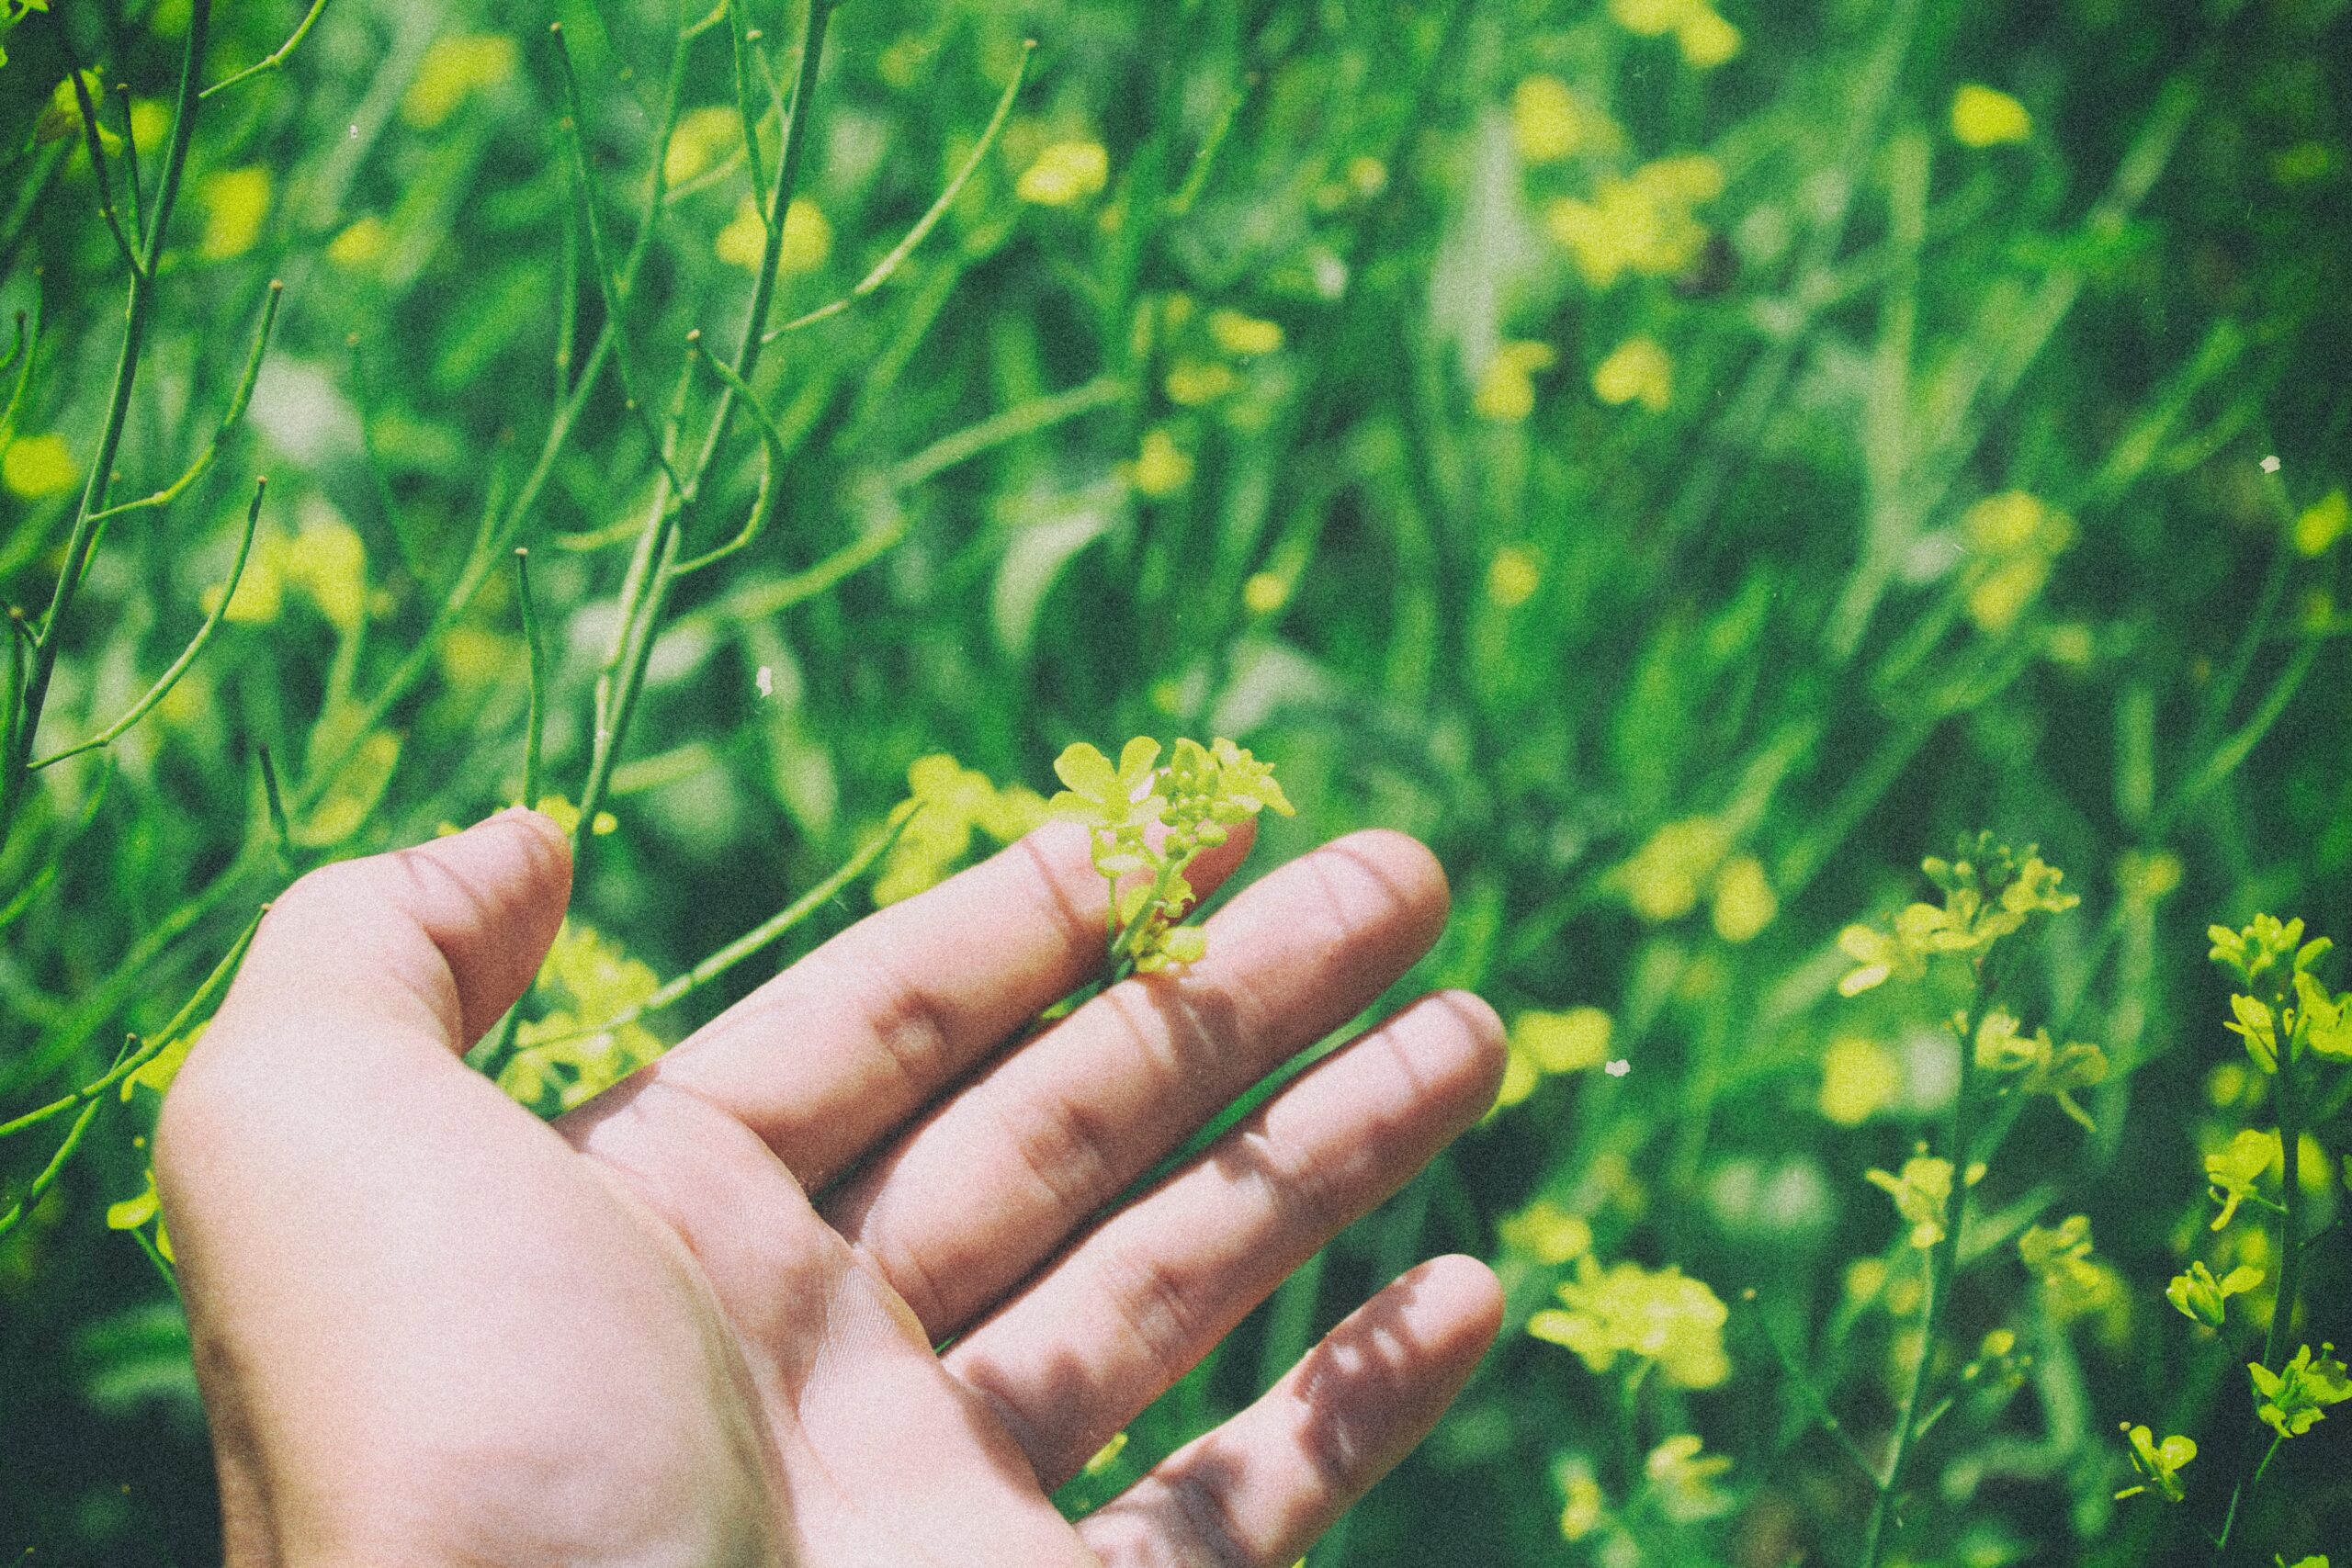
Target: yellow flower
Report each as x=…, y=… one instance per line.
x=1507, y=391
x=2322, y=523
x=361, y=244
x=2159, y=1464
x=1860, y=1077
x=704, y=136
x=1641, y=224
x=472, y=657
x=1569, y=1042
x=1707, y=40
x=328, y=562
x=1638, y=369
x=1548, y=122
x=453, y=70
x=1685, y=1482
x=1546, y=1233
x=807, y=238
x=1921, y=1195
x=1653, y=18
x=235, y=202
x=1065, y=174
x=1162, y=467
x=1743, y=901
x=1581, y=1514
x=1512, y=576
x=1660, y=1315
x=1239, y=334
x=2012, y=539
x=956, y=801
x=150, y=121
x=1664, y=878
x=1986, y=116
x=1191, y=382
x=36, y=467
x=1265, y=593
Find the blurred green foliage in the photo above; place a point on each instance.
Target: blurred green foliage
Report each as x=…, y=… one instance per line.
x=1684, y=462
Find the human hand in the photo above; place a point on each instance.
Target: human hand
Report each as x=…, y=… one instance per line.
x=693, y=1321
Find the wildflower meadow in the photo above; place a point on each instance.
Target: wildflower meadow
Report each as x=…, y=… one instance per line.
x=1831, y=519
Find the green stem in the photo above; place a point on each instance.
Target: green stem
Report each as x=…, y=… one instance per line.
x=1942, y=1264
x=2290, y=1216
x=13, y=774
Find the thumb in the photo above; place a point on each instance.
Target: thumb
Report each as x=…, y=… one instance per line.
x=443, y=937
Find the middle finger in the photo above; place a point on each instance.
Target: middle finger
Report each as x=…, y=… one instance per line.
x=966, y=1204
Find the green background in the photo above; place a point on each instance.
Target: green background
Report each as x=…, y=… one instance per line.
x=1757, y=604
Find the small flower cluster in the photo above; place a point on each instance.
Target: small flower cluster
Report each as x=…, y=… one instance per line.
x=1660, y=1315
x=1148, y=822
x=1990, y=891
x=957, y=803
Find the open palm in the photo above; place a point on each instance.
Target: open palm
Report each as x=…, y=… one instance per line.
x=693, y=1322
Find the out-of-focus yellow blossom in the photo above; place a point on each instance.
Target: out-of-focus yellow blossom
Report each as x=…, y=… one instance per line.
x=1664, y=879
x=703, y=136
x=1264, y=593
x=807, y=238
x=1865, y=1278
x=235, y=203
x=1546, y=1043
x=1986, y=116
x=1366, y=176
x=1507, y=391
x=1512, y=576
x=1662, y=1315
x=2322, y=523
x=328, y=563
x=1707, y=40
x=60, y=118
x=1860, y=1077
x=1570, y=1041
x=566, y=1057
x=2228, y=1084
x=473, y=655
x=1065, y=174
x=1637, y=370
x=956, y=801
x=189, y=705
x=1684, y=1481
x=2145, y=879
x=1921, y=1194
x=1191, y=382
x=363, y=243
x=560, y=810
x=1546, y=1233
x=1642, y=223
x=1549, y=122
x=37, y=467
x=1239, y=334
x=2074, y=1283
x=453, y=70
x=1743, y=901
x=1581, y=1514
x=1161, y=467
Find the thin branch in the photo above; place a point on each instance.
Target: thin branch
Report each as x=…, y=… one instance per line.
x=131, y=177
x=532, y=721
x=760, y=935
x=883, y=270
x=98, y=169
x=274, y=61
x=229, y=420
x=584, y=193
x=772, y=442
x=171, y=677
x=153, y=1045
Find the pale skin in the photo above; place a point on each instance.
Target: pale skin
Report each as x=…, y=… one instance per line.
x=693, y=1322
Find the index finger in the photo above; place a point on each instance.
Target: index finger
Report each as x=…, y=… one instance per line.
x=851, y=1042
